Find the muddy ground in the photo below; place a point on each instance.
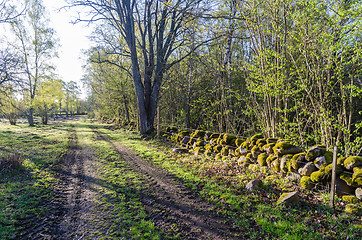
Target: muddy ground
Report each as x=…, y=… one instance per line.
x=170, y=205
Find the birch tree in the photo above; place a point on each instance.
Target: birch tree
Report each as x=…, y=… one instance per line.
x=36, y=45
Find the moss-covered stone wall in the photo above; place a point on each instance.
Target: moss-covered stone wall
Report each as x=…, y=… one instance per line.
x=313, y=165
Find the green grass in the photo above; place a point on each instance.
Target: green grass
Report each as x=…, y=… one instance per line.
x=254, y=213
x=120, y=211
x=23, y=190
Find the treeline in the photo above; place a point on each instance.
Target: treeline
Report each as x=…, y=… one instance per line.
x=289, y=69
x=28, y=84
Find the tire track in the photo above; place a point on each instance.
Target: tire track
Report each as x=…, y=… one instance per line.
x=70, y=188
x=51, y=225
x=171, y=204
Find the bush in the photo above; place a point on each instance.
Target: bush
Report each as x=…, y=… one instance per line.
x=14, y=160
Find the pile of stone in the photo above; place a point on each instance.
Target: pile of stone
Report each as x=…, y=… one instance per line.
x=311, y=167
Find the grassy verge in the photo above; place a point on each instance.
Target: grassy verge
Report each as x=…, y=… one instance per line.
x=223, y=183
x=23, y=189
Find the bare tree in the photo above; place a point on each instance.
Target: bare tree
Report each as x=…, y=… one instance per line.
x=152, y=30
x=8, y=12
x=9, y=67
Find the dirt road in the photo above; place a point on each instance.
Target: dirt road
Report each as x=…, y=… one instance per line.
x=74, y=214
x=171, y=203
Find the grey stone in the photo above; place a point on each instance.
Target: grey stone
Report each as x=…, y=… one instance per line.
x=342, y=188
x=293, y=177
x=319, y=161
x=180, y=150
x=289, y=199
x=307, y=169
x=359, y=193
x=254, y=185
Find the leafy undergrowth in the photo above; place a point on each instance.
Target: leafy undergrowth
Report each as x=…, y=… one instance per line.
x=24, y=189
x=223, y=183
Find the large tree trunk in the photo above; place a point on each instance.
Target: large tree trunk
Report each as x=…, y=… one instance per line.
x=12, y=118
x=44, y=116
x=31, y=116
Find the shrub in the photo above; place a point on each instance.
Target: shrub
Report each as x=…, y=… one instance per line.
x=14, y=160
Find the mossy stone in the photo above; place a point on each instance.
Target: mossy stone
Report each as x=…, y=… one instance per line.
x=208, y=153
x=353, y=161
x=262, y=159
x=256, y=137
x=357, y=171
x=225, y=151
x=208, y=146
x=173, y=138
x=329, y=168
x=255, y=151
x=328, y=156
x=192, y=140
x=239, y=141
x=347, y=177
x=275, y=165
x=283, y=148
x=350, y=199
x=222, y=142
x=271, y=140
x=320, y=176
x=198, y=133
x=199, y=144
x=237, y=152
x=340, y=161
x=261, y=141
x=218, y=157
x=320, y=162
x=306, y=183
x=254, y=167
x=314, y=152
x=291, y=198
x=184, y=133
x=284, y=162
x=297, y=160
x=357, y=176
x=270, y=159
x=198, y=150
x=243, y=151
x=269, y=148
x=217, y=148
x=353, y=209
x=245, y=145
x=228, y=138
x=307, y=169
x=244, y=160
x=214, y=136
